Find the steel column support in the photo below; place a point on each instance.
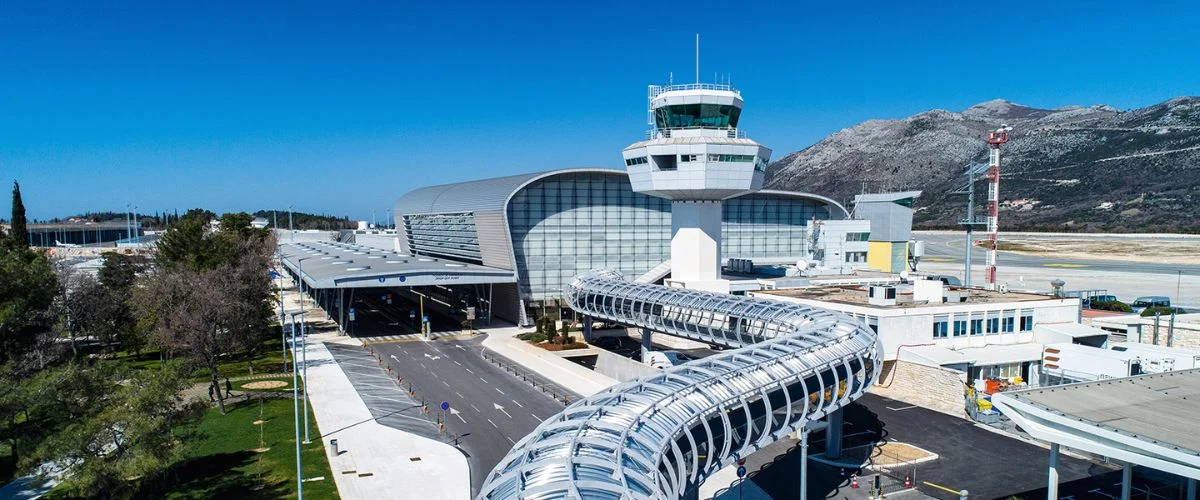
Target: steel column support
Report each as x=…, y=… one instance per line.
x=804, y=463
x=647, y=344
x=587, y=329
x=1052, y=474
x=833, y=433
x=1126, y=480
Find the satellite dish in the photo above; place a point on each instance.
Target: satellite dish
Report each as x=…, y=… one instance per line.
x=904, y=275
x=802, y=264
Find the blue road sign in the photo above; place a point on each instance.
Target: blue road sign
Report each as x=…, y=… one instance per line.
x=425, y=318
x=402, y=279
x=445, y=406
x=382, y=279
x=741, y=471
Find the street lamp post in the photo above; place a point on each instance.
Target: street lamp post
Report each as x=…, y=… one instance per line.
x=304, y=349
x=296, y=412
x=128, y=232
x=136, y=237
x=290, y=230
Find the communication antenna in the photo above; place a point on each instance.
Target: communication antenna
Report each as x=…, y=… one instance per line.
x=697, y=58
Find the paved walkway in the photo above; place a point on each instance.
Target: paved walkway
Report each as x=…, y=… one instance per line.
x=502, y=340
x=374, y=461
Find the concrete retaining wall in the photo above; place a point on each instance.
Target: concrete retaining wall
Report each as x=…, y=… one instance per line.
x=619, y=367
x=936, y=388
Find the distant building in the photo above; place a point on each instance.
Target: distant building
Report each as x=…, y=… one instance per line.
x=259, y=223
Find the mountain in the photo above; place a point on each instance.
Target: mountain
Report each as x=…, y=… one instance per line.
x=1068, y=169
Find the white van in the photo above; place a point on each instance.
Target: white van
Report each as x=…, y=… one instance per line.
x=664, y=359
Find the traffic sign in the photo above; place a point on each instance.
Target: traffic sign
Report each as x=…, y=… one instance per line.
x=402, y=279
x=425, y=318
x=351, y=314
x=471, y=312
x=741, y=471
x=412, y=314
x=445, y=406
x=382, y=279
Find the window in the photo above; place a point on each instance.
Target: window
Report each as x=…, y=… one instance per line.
x=940, y=327
x=960, y=327
x=856, y=256
x=697, y=116
x=993, y=325
x=977, y=326
x=1006, y=323
x=1004, y=371
x=857, y=236
x=641, y=160
x=686, y=158
x=1026, y=321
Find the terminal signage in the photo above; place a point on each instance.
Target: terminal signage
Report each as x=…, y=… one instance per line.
x=351, y=311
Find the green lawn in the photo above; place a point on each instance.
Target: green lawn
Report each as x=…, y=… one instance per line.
x=223, y=463
x=269, y=359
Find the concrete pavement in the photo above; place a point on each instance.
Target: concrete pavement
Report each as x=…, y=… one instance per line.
x=585, y=382
x=374, y=460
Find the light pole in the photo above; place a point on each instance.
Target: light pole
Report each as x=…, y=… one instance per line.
x=136, y=238
x=128, y=232
x=304, y=349
x=290, y=230
x=282, y=334
x=296, y=412
x=389, y=219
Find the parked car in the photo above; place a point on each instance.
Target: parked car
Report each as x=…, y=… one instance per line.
x=1088, y=301
x=665, y=359
x=1143, y=303
x=607, y=342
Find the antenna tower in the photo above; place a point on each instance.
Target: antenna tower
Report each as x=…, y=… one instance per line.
x=994, y=140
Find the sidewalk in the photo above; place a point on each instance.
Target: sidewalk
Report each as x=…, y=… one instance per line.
x=578, y=379
x=376, y=461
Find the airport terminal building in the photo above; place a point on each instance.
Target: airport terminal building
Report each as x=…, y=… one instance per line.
x=548, y=227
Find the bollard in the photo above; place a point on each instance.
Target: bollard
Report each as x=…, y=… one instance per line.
x=441, y=428
x=962, y=495
x=333, y=446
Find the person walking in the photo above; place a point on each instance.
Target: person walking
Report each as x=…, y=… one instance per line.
x=228, y=388
x=211, y=397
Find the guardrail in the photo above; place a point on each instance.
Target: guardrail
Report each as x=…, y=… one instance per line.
x=555, y=391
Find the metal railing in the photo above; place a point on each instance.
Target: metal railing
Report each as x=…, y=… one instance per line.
x=555, y=391
x=665, y=133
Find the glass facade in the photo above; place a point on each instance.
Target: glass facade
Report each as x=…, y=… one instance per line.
x=567, y=224
x=697, y=116
x=451, y=236
x=765, y=225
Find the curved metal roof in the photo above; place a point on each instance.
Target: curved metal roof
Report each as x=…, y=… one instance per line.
x=660, y=436
x=493, y=194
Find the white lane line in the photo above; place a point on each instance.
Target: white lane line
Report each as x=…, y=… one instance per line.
x=499, y=391
x=384, y=398
x=447, y=384
x=457, y=363
x=469, y=370
x=539, y=419
x=459, y=415
x=901, y=408
x=518, y=404
x=514, y=443
x=476, y=408
x=459, y=394
x=493, y=423
x=484, y=381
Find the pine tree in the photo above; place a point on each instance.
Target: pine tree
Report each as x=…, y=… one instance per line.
x=18, y=232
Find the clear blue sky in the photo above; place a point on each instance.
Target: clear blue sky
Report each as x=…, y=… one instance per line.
x=341, y=107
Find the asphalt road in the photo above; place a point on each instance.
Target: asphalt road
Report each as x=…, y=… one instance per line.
x=948, y=247
x=490, y=409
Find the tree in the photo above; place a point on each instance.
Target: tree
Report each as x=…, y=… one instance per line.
x=114, y=431
x=565, y=334
x=19, y=233
x=27, y=290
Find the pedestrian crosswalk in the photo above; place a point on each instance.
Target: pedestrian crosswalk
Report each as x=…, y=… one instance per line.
x=415, y=337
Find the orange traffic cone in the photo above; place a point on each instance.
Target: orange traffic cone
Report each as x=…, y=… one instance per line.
x=854, y=480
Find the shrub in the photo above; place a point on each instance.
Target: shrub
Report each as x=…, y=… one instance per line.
x=1151, y=311
x=535, y=337
x=1112, y=305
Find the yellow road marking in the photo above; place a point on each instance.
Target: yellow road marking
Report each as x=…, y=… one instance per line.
x=1060, y=264
x=937, y=259
x=940, y=487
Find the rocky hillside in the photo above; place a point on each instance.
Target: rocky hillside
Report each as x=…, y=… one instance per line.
x=1067, y=169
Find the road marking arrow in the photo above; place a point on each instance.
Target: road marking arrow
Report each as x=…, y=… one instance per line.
x=501, y=408
x=395, y=358
x=435, y=358
x=457, y=414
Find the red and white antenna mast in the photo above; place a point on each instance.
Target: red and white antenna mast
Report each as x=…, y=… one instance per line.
x=994, y=139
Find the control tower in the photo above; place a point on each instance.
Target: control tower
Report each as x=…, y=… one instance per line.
x=696, y=157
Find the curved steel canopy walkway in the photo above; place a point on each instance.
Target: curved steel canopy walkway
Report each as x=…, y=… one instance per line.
x=661, y=436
